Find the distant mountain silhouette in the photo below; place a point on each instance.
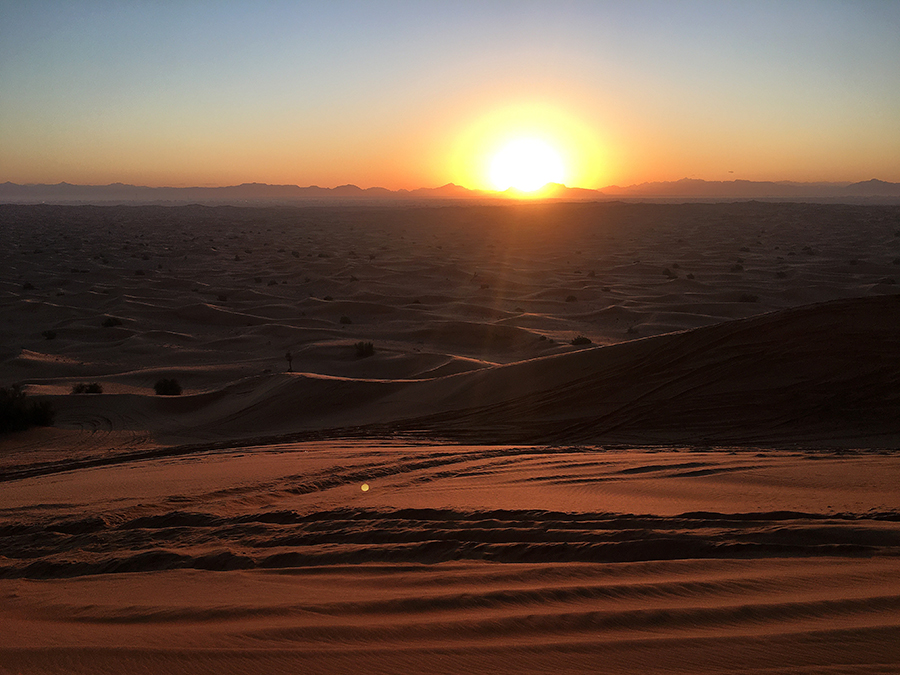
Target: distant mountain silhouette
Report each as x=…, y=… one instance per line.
x=236, y=194
x=686, y=188
x=747, y=189
x=873, y=187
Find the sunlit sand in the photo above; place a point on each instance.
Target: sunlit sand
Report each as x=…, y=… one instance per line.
x=631, y=438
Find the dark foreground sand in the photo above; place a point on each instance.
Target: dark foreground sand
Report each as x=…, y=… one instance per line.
x=710, y=486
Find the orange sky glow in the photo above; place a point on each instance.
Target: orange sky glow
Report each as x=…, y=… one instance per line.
x=407, y=95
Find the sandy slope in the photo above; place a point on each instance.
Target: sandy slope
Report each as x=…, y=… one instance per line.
x=709, y=487
x=457, y=558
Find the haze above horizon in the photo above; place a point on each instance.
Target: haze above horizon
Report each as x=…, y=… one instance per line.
x=405, y=95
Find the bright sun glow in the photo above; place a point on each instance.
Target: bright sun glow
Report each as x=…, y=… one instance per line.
x=526, y=164
x=524, y=146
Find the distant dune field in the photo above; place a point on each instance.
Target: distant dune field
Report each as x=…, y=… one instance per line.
x=587, y=437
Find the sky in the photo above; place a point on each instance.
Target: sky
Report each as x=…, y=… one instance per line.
x=423, y=93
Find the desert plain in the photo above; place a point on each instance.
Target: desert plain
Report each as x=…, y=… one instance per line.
x=533, y=438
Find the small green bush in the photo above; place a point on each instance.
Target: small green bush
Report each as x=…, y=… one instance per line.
x=85, y=388
x=364, y=349
x=167, y=387
x=17, y=415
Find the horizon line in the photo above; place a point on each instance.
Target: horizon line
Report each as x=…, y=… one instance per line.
x=450, y=184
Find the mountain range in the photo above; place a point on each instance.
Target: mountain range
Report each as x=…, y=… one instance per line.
x=686, y=188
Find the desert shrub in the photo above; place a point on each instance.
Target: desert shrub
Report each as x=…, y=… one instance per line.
x=16, y=414
x=111, y=321
x=737, y=267
x=346, y=319
x=49, y=334
x=296, y=254
x=85, y=388
x=670, y=274
x=580, y=340
x=27, y=286
x=690, y=276
x=632, y=330
x=364, y=349
x=571, y=298
x=167, y=387
x=749, y=297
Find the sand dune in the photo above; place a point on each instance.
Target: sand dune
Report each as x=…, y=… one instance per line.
x=708, y=485
x=216, y=296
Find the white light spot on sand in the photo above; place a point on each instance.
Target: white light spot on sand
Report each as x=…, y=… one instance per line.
x=365, y=487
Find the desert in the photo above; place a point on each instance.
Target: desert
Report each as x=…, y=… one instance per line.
x=509, y=437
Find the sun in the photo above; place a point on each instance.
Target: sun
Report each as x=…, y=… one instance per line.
x=526, y=165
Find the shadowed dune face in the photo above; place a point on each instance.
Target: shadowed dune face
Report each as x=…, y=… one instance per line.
x=828, y=372
x=459, y=302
